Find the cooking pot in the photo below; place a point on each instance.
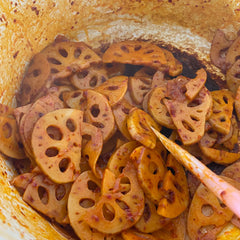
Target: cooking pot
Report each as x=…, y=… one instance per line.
x=26, y=27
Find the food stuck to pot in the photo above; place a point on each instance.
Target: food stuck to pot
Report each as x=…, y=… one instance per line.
x=83, y=124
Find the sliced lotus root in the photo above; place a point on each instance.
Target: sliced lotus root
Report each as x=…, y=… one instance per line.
x=219, y=48
x=189, y=117
x=20, y=111
x=120, y=112
x=232, y=142
x=196, y=152
x=158, y=80
x=138, y=87
x=209, y=138
x=129, y=98
x=92, y=149
x=194, y=86
x=176, y=88
x=233, y=76
x=89, y=78
x=21, y=181
x=119, y=158
x=145, y=102
x=175, y=230
x=42, y=106
x=174, y=66
x=133, y=234
x=38, y=75
x=139, y=126
x=48, y=197
x=75, y=99
x=157, y=108
x=115, y=212
x=68, y=57
x=175, y=186
x=146, y=72
x=207, y=215
x=99, y=113
x=220, y=156
x=59, y=90
x=150, y=221
x=114, y=89
x=233, y=52
x=232, y=171
x=10, y=143
x=114, y=69
x=84, y=194
x=136, y=53
x=56, y=142
x=222, y=111
x=237, y=103
x=151, y=170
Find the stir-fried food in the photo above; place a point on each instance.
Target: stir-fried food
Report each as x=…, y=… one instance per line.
x=84, y=122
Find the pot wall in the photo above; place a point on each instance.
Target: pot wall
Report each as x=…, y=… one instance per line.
x=26, y=27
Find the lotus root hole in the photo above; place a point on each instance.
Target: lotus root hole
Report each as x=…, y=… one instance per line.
x=187, y=126
x=137, y=47
x=36, y=72
x=108, y=212
x=125, y=181
x=63, y=52
x=112, y=88
x=76, y=94
x=70, y=124
x=60, y=192
x=77, y=53
x=122, y=204
x=225, y=99
x=83, y=74
x=63, y=164
x=120, y=169
x=237, y=75
x=95, y=110
x=92, y=186
x=178, y=186
x=194, y=118
x=149, y=51
x=7, y=130
x=237, y=58
x=87, y=57
x=146, y=212
x=124, y=49
x=160, y=184
x=93, y=81
x=206, y=229
x=153, y=168
x=87, y=137
x=172, y=170
x=54, y=70
x=54, y=61
x=43, y=195
x=207, y=210
x=86, y=202
x=54, y=133
x=223, y=119
x=52, y=152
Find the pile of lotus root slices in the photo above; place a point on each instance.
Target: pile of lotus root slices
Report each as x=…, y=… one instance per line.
x=82, y=142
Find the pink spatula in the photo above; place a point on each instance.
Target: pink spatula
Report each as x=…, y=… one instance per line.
x=229, y=195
